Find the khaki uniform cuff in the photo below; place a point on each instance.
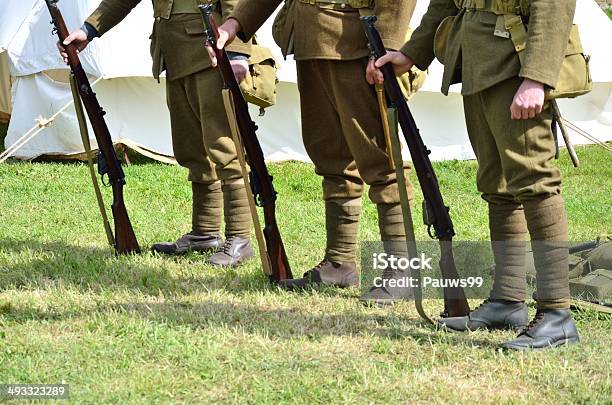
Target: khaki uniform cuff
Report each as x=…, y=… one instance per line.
x=421, y=59
x=248, y=30
x=95, y=22
x=541, y=77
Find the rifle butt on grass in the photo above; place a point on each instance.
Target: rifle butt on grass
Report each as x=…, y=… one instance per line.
x=260, y=178
x=108, y=163
x=435, y=212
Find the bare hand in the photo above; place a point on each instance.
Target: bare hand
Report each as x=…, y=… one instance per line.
x=78, y=38
x=401, y=64
x=227, y=33
x=373, y=74
x=528, y=100
x=240, y=68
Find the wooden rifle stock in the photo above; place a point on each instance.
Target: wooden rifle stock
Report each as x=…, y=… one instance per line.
x=435, y=213
x=260, y=179
x=108, y=163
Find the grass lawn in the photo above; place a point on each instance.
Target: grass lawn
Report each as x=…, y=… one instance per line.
x=146, y=328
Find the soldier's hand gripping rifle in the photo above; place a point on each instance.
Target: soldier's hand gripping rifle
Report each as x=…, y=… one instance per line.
x=260, y=179
x=108, y=164
x=435, y=213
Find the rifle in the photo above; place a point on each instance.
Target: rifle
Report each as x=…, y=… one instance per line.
x=260, y=179
x=108, y=163
x=435, y=212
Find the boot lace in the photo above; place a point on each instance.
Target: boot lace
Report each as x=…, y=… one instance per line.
x=321, y=264
x=317, y=267
x=535, y=321
x=388, y=273
x=227, y=245
x=485, y=302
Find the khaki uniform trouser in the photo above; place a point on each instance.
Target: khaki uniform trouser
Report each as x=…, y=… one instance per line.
x=515, y=172
x=342, y=130
x=514, y=156
x=201, y=137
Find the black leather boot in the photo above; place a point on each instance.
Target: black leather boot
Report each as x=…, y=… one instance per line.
x=549, y=328
x=491, y=314
x=234, y=251
x=189, y=242
x=340, y=275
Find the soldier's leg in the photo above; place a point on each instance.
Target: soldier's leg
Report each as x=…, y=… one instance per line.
x=206, y=208
x=356, y=106
x=190, y=152
x=527, y=148
x=204, y=93
x=507, y=225
x=342, y=185
x=505, y=307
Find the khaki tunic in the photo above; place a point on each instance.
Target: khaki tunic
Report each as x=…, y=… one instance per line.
x=341, y=126
x=175, y=46
x=479, y=59
x=514, y=156
x=201, y=138
x=322, y=32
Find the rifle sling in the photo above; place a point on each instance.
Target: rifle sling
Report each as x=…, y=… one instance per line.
x=394, y=147
x=78, y=107
x=261, y=244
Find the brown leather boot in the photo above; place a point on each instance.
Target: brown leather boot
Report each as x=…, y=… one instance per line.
x=234, y=251
x=340, y=275
x=190, y=242
x=205, y=223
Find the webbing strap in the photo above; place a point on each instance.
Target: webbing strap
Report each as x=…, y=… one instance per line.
x=189, y=6
x=518, y=33
x=78, y=106
x=261, y=243
x=499, y=7
x=343, y=3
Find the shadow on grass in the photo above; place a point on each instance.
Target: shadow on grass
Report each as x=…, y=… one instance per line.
x=98, y=270
x=95, y=269
x=284, y=324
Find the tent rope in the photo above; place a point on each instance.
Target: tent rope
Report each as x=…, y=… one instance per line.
x=586, y=135
x=41, y=124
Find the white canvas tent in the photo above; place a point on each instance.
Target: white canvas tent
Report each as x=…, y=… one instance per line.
x=137, y=115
